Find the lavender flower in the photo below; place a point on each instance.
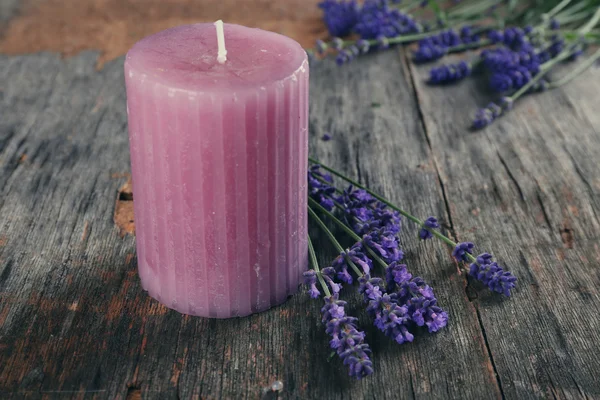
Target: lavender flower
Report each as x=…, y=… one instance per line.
x=416, y=296
x=363, y=45
x=514, y=38
x=510, y=70
x=449, y=73
x=348, y=342
x=370, y=288
x=385, y=244
x=310, y=279
x=388, y=316
x=554, y=24
x=485, y=116
x=376, y=19
x=339, y=16
x=326, y=137
x=492, y=275
x=357, y=256
x=461, y=250
x=396, y=274
x=318, y=189
x=328, y=275
x=431, y=223
x=434, y=47
x=421, y=304
x=363, y=213
x=337, y=43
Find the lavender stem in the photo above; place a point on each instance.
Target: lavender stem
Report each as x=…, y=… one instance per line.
x=412, y=218
x=347, y=229
x=332, y=238
x=315, y=265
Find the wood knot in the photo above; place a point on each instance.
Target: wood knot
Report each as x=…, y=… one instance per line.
x=123, y=216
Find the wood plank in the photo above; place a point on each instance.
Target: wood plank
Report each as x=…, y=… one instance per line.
x=73, y=317
x=8, y=9
x=527, y=189
x=113, y=26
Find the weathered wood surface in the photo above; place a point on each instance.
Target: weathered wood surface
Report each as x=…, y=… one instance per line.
x=527, y=188
x=74, y=321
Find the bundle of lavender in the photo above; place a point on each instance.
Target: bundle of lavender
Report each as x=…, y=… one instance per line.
x=520, y=42
x=396, y=301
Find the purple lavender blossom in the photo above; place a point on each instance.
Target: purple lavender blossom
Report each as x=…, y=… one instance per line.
x=487, y=115
x=431, y=223
x=554, y=24
x=396, y=274
x=348, y=342
x=416, y=296
x=363, y=45
x=435, y=47
x=421, y=303
x=461, y=250
x=339, y=16
x=337, y=43
x=385, y=244
x=492, y=275
x=326, y=137
x=363, y=213
x=310, y=279
x=318, y=189
x=376, y=19
x=388, y=316
x=328, y=275
x=357, y=256
x=512, y=37
x=449, y=73
x=510, y=70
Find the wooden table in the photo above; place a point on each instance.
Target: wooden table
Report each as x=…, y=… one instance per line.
x=74, y=321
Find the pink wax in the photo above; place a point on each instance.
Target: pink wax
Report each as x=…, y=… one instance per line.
x=219, y=160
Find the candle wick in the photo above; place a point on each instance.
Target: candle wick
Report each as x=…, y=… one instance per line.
x=222, y=51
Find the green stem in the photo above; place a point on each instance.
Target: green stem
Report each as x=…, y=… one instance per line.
x=556, y=9
x=543, y=70
x=410, y=217
x=315, y=264
x=572, y=10
x=572, y=18
x=591, y=23
x=580, y=68
x=467, y=46
x=476, y=7
x=333, y=240
x=346, y=229
x=409, y=7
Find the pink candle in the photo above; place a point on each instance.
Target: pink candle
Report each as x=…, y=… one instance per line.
x=219, y=160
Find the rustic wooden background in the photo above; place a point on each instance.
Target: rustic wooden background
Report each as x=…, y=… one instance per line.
x=74, y=322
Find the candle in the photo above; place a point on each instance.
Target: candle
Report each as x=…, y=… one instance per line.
x=218, y=139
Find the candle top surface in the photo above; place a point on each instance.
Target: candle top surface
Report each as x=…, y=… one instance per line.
x=185, y=58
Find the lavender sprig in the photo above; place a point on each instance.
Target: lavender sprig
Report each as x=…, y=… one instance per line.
x=386, y=312
x=409, y=216
x=492, y=275
x=347, y=341
x=450, y=73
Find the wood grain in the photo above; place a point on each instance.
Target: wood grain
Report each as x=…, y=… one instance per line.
x=526, y=189
x=74, y=319
x=113, y=26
